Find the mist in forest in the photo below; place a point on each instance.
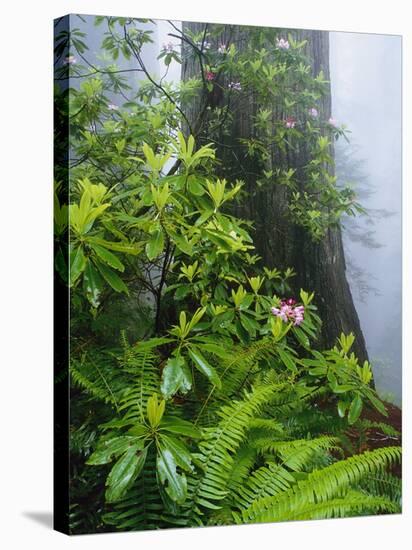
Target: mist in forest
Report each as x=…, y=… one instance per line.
x=366, y=97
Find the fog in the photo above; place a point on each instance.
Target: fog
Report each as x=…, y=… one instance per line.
x=366, y=97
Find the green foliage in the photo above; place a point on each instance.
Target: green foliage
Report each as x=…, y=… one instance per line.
x=214, y=410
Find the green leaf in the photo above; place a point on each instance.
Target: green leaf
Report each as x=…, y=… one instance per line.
x=355, y=409
x=203, y=366
x=317, y=371
x=301, y=336
x=124, y=472
x=179, y=451
x=194, y=186
x=127, y=248
x=92, y=284
x=287, y=359
x=215, y=349
x=377, y=403
x=342, y=388
x=242, y=332
x=108, y=257
x=111, y=448
x=182, y=243
x=155, y=244
x=248, y=325
x=342, y=407
x=176, y=425
x=175, y=483
x=155, y=410
x=175, y=377
x=112, y=278
x=78, y=263
x=60, y=265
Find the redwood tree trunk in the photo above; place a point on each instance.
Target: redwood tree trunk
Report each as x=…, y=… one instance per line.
x=320, y=266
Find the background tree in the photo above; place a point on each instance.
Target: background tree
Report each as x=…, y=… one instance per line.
x=281, y=242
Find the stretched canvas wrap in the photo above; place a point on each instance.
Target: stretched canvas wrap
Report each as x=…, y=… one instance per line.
x=227, y=274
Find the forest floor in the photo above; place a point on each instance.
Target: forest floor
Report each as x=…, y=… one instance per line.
x=374, y=437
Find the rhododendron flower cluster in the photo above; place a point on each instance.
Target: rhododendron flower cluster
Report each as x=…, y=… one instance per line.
x=204, y=45
x=70, y=60
x=167, y=47
x=210, y=76
x=289, y=312
x=313, y=112
x=290, y=122
x=282, y=44
x=333, y=122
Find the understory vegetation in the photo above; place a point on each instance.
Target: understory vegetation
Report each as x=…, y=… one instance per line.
x=198, y=393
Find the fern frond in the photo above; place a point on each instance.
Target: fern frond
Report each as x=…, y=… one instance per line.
x=298, y=454
x=243, y=462
x=237, y=369
x=143, y=363
x=99, y=376
x=383, y=484
x=266, y=481
x=383, y=427
x=220, y=443
x=321, y=485
x=353, y=503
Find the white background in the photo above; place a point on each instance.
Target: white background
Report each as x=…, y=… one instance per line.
x=26, y=272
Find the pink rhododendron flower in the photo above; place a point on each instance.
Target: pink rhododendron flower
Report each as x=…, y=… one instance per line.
x=299, y=312
x=70, y=60
x=289, y=312
x=313, y=112
x=167, y=47
x=282, y=44
x=333, y=122
x=290, y=122
x=210, y=76
x=234, y=86
x=205, y=45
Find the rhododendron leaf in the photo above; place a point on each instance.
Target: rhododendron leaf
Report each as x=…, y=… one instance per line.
x=203, y=366
x=111, y=448
x=355, y=409
x=342, y=407
x=175, y=377
x=248, y=325
x=176, y=425
x=92, y=284
x=241, y=332
x=108, y=257
x=112, y=278
x=124, y=472
x=175, y=483
x=78, y=263
x=194, y=186
x=287, y=359
x=377, y=403
x=155, y=244
x=301, y=336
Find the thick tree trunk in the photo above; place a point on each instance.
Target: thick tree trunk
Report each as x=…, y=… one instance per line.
x=320, y=266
